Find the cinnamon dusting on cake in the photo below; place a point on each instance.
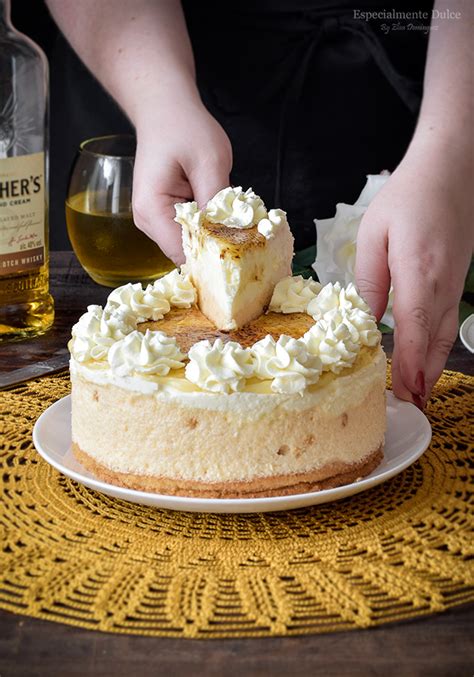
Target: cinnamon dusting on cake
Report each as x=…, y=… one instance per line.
x=236, y=240
x=189, y=326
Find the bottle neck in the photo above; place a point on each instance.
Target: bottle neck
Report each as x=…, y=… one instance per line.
x=5, y=13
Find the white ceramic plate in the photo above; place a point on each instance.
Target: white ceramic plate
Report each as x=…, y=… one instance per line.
x=466, y=332
x=408, y=435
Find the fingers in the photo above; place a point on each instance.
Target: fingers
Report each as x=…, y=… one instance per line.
x=154, y=197
x=153, y=206
x=398, y=386
x=441, y=345
x=414, y=315
x=371, y=269
x=170, y=239
x=175, y=175
x=205, y=187
x=438, y=349
x=210, y=176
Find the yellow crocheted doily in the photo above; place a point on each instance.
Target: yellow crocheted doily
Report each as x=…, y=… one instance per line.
x=397, y=551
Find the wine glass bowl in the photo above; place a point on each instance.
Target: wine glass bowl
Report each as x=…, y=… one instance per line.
x=110, y=248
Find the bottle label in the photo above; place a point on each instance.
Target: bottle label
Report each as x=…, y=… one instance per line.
x=22, y=207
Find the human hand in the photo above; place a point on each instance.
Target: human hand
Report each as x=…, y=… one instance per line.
x=417, y=233
x=182, y=154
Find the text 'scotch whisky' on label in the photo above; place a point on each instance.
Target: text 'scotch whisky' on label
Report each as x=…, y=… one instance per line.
x=26, y=307
x=22, y=208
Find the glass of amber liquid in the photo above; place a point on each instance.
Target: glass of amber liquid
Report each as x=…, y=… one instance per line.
x=110, y=248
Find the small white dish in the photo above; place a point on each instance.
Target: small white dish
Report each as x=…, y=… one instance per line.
x=466, y=332
x=408, y=436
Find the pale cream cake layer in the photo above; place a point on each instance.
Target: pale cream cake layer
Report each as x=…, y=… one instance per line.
x=235, y=270
x=207, y=437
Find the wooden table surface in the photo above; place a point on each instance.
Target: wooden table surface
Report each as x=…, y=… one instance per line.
x=437, y=645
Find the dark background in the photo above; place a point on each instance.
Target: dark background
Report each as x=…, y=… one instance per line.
x=370, y=126
x=96, y=115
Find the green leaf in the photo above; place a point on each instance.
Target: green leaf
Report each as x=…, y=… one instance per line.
x=303, y=260
x=465, y=309
x=469, y=284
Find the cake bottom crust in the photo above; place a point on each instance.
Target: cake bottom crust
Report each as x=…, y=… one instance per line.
x=327, y=477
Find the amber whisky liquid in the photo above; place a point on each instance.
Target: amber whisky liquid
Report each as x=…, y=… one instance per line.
x=110, y=247
x=26, y=307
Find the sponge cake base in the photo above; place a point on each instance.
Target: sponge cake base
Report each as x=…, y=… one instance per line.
x=329, y=476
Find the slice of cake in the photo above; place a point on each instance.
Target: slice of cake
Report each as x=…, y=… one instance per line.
x=236, y=252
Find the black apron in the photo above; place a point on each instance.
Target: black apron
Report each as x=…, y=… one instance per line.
x=312, y=95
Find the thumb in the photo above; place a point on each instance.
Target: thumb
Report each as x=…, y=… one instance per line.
x=155, y=192
x=371, y=267
x=205, y=183
x=210, y=173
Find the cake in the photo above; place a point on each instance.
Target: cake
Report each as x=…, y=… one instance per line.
x=235, y=252
x=192, y=387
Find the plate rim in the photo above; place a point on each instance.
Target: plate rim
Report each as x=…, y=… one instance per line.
x=259, y=504
x=463, y=332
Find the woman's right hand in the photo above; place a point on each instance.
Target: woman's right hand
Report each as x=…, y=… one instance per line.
x=141, y=52
x=182, y=154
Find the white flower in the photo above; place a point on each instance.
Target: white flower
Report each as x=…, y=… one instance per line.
x=337, y=238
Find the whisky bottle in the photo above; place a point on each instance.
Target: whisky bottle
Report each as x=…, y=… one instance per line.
x=26, y=307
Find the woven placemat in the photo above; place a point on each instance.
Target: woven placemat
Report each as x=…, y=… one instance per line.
x=397, y=551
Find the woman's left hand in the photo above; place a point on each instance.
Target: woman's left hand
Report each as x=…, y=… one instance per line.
x=417, y=235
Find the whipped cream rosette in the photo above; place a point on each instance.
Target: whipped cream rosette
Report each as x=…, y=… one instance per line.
x=233, y=208
x=150, y=353
x=144, y=303
x=188, y=213
x=219, y=367
x=333, y=296
x=293, y=294
x=98, y=330
x=287, y=362
x=331, y=341
x=176, y=288
x=268, y=227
